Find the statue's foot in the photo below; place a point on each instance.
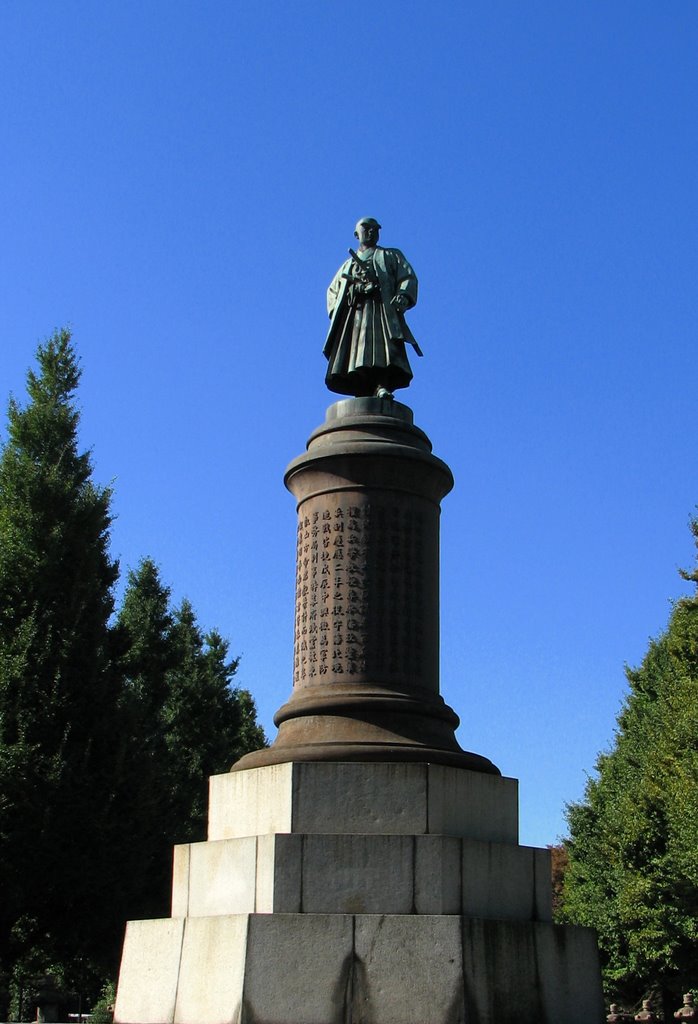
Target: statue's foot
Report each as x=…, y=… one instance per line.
x=384, y=393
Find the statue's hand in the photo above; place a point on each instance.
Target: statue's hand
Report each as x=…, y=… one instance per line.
x=401, y=302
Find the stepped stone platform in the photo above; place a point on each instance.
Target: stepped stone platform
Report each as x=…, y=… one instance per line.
x=386, y=893
x=417, y=850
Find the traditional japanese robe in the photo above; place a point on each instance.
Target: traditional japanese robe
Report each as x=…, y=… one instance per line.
x=365, y=345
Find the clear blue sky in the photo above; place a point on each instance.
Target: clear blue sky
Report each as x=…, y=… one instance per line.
x=181, y=180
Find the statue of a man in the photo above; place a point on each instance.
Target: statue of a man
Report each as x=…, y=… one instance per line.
x=366, y=301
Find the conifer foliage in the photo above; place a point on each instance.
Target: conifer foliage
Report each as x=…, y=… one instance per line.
x=57, y=695
x=108, y=727
x=191, y=721
x=633, y=848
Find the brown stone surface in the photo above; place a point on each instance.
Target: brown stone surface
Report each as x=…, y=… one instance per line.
x=366, y=647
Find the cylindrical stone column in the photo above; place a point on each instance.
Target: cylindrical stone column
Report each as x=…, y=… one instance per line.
x=366, y=648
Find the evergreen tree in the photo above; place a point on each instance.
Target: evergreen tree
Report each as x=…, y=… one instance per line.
x=107, y=732
x=190, y=721
x=144, y=659
x=633, y=870
x=209, y=724
x=58, y=697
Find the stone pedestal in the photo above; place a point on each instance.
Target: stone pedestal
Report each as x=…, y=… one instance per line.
x=364, y=869
x=366, y=649
x=330, y=893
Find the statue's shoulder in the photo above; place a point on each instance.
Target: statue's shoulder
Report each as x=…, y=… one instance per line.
x=392, y=254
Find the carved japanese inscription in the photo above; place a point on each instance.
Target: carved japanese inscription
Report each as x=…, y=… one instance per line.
x=359, y=592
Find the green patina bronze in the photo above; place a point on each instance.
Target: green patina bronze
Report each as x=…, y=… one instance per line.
x=366, y=302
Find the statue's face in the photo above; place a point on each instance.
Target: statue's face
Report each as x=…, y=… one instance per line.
x=367, y=232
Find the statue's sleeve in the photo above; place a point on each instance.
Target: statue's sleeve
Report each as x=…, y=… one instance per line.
x=405, y=278
x=333, y=292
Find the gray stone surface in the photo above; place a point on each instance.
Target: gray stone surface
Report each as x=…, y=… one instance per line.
x=506, y=881
x=357, y=874
x=220, y=878
x=371, y=893
x=408, y=970
x=279, y=874
x=362, y=874
x=297, y=969
x=438, y=875
x=538, y=973
x=472, y=804
x=365, y=969
x=211, y=973
x=180, y=881
x=327, y=797
x=251, y=803
x=147, y=989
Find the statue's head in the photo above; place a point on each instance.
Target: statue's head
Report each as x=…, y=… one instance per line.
x=367, y=230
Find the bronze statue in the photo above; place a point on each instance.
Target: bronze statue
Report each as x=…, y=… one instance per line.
x=366, y=301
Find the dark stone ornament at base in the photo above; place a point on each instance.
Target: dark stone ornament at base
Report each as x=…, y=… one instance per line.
x=688, y=1011
x=366, y=651
x=647, y=1013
